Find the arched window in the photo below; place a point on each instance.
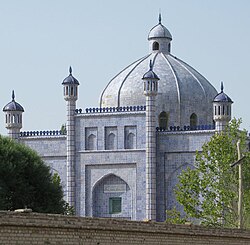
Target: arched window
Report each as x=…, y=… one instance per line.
x=163, y=120
x=156, y=46
x=215, y=110
x=110, y=143
x=193, y=121
x=130, y=144
x=91, y=143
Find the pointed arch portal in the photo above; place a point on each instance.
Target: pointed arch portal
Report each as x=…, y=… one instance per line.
x=112, y=198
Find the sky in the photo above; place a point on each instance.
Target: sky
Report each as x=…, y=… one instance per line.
x=39, y=40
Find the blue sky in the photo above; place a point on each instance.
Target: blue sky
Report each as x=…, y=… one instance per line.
x=41, y=39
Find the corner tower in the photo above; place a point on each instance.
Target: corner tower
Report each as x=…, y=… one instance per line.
x=70, y=89
x=222, y=104
x=150, y=91
x=13, y=118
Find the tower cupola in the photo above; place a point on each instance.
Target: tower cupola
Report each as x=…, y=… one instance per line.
x=150, y=81
x=159, y=38
x=222, y=109
x=13, y=117
x=70, y=85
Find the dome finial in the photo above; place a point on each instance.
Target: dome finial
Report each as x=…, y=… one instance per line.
x=160, y=16
x=150, y=65
x=222, y=87
x=70, y=70
x=13, y=95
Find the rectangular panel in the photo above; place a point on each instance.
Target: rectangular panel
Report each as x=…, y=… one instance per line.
x=114, y=188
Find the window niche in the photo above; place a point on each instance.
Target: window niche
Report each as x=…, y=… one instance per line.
x=110, y=138
x=130, y=137
x=163, y=120
x=91, y=139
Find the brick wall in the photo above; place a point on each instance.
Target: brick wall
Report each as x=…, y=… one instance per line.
x=33, y=228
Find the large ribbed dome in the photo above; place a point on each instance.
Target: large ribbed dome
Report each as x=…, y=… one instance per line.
x=182, y=90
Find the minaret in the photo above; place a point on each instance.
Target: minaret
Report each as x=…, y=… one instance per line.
x=13, y=118
x=150, y=91
x=70, y=85
x=222, y=109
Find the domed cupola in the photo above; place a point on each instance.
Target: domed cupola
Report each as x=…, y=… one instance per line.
x=70, y=85
x=13, y=117
x=222, y=97
x=183, y=93
x=222, y=109
x=159, y=38
x=13, y=105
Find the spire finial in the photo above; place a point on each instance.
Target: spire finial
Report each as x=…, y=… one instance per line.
x=13, y=95
x=159, y=16
x=70, y=70
x=221, y=87
x=150, y=65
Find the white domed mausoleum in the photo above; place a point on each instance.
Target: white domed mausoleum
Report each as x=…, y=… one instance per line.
x=122, y=158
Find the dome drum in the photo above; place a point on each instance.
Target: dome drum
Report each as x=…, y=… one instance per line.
x=159, y=45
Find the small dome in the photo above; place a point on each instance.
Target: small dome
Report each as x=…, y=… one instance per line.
x=159, y=31
x=70, y=79
x=150, y=75
x=13, y=105
x=222, y=97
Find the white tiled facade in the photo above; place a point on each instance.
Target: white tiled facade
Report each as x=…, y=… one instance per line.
x=123, y=158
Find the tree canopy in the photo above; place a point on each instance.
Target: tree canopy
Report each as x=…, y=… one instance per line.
x=209, y=191
x=25, y=180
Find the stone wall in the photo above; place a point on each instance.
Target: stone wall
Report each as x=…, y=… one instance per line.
x=33, y=228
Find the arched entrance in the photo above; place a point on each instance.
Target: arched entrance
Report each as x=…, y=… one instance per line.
x=112, y=198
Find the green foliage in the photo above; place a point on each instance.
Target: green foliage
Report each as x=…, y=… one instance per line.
x=63, y=129
x=174, y=217
x=25, y=181
x=68, y=210
x=209, y=191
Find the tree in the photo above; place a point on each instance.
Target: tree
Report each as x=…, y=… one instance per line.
x=209, y=191
x=63, y=129
x=25, y=181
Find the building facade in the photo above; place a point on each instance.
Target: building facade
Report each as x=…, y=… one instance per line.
x=122, y=158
